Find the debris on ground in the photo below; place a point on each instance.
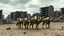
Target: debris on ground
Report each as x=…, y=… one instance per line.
x=8, y=28
x=24, y=32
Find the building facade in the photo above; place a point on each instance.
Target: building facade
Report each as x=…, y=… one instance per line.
x=47, y=11
x=0, y=14
x=29, y=15
x=8, y=17
x=57, y=14
x=37, y=14
x=18, y=14
x=62, y=10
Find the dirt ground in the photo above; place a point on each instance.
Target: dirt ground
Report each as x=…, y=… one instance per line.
x=54, y=30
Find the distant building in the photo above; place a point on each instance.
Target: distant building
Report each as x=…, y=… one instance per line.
x=47, y=11
x=23, y=14
x=62, y=10
x=57, y=14
x=37, y=14
x=18, y=14
x=28, y=15
x=0, y=14
x=8, y=17
x=13, y=15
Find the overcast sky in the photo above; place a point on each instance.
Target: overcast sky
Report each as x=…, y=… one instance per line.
x=31, y=6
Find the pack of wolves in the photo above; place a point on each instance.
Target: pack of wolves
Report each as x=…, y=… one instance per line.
x=26, y=22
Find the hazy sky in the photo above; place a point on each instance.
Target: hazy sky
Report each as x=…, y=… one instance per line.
x=31, y=6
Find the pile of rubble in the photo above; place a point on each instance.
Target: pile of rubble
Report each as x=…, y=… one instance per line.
x=6, y=22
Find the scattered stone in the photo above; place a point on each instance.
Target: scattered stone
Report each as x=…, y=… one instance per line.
x=44, y=33
x=10, y=35
x=8, y=28
x=57, y=35
x=62, y=28
x=24, y=32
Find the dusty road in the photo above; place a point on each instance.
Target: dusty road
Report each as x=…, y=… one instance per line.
x=54, y=30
